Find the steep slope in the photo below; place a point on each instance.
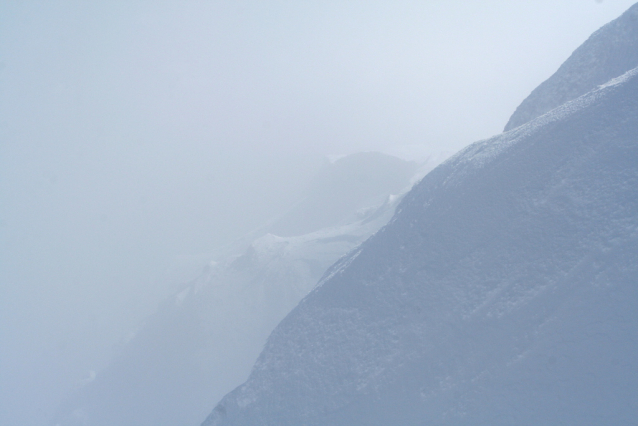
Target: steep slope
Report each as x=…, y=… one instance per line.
x=203, y=341
x=608, y=53
x=502, y=292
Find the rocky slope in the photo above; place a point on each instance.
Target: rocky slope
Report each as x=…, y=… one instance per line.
x=502, y=292
x=608, y=53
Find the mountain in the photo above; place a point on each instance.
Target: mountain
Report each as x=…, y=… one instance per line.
x=204, y=339
x=608, y=53
x=342, y=188
x=502, y=292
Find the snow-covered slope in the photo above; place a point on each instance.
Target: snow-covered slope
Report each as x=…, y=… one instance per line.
x=608, y=53
x=503, y=292
x=204, y=340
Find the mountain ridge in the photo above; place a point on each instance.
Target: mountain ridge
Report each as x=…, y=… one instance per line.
x=467, y=300
x=203, y=340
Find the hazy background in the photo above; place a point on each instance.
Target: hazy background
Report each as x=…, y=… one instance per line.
x=135, y=136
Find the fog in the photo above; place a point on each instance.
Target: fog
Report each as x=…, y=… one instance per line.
x=137, y=139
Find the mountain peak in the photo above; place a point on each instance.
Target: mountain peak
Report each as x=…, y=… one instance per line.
x=609, y=52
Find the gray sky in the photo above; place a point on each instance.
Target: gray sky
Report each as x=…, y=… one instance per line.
x=135, y=132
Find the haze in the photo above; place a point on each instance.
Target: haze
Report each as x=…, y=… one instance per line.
x=137, y=139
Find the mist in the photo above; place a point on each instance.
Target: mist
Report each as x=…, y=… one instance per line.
x=138, y=139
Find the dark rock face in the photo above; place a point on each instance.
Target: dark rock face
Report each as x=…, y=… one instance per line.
x=502, y=292
x=608, y=53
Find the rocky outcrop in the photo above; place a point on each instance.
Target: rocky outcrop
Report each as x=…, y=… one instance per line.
x=608, y=53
